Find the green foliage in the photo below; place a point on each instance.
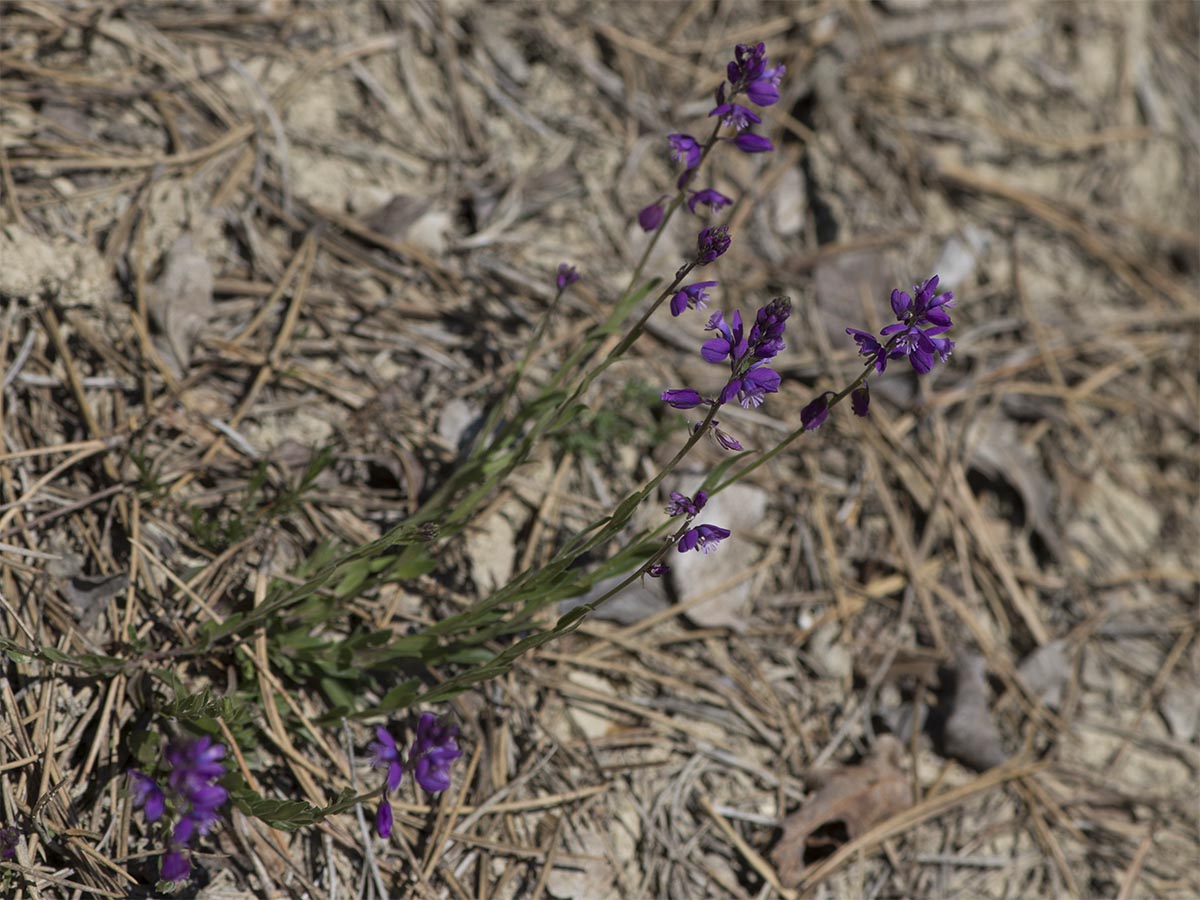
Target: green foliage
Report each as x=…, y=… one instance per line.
x=216, y=530
x=625, y=421
x=284, y=814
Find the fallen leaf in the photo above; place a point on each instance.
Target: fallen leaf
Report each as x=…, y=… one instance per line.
x=181, y=300
x=848, y=802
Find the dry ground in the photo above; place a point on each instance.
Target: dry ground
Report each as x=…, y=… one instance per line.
x=233, y=233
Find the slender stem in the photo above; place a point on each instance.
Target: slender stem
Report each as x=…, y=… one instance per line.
x=787, y=441
x=514, y=381
x=674, y=205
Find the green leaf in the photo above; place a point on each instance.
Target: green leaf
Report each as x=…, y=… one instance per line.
x=288, y=814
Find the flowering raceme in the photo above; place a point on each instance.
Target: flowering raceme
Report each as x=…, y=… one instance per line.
x=748, y=76
x=429, y=757
x=923, y=317
x=750, y=378
x=194, y=769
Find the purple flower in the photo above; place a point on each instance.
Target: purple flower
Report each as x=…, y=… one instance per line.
x=929, y=307
x=176, y=865
x=923, y=316
x=751, y=387
x=726, y=440
x=385, y=753
x=703, y=538
x=194, y=764
x=749, y=73
x=658, y=570
x=566, y=276
x=919, y=346
x=814, y=415
x=383, y=818
x=860, y=399
x=9, y=837
x=868, y=347
x=684, y=147
x=147, y=795
x=433, y=750
x=711, y=243
x=723, y=438
x=736, y=115
x=684, y=398
x=729, y=343
x=682, y=505
x=714, y=200
x=764, y=90
x=694, y=296
x=748, y=142
x=651, y=216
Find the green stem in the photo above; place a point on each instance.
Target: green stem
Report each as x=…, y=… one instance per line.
x=787, y=441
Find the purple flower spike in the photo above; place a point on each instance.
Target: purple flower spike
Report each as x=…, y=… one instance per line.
x=383, y=819
x=711, y=243
x=658, y=570
x=814, y=415
x=860, y=400
x=868, y=347
x=694, y=296
x=684, y=398
x=714, y=200
x=385, y=753
x=749, y=63
x=684, y=147
x=195, y=766
x=748, y=142
x=651, y=216
x=703, y=538
x=147, y=795
x=433, y=750
x=567, y=275
x=766, y=336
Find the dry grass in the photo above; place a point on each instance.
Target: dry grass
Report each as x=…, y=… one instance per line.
x=379, y=192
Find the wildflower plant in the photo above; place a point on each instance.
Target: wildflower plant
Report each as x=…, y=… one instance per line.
x=184, y=794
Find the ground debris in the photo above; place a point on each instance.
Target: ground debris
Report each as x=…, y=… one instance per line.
x=848, y=802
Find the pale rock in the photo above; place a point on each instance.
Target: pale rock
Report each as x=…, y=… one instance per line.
x=1180, y=706
x=492, y=549
x=789, y=202
x=457, y=422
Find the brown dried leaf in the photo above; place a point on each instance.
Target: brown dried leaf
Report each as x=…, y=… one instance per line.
x=850, y=800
